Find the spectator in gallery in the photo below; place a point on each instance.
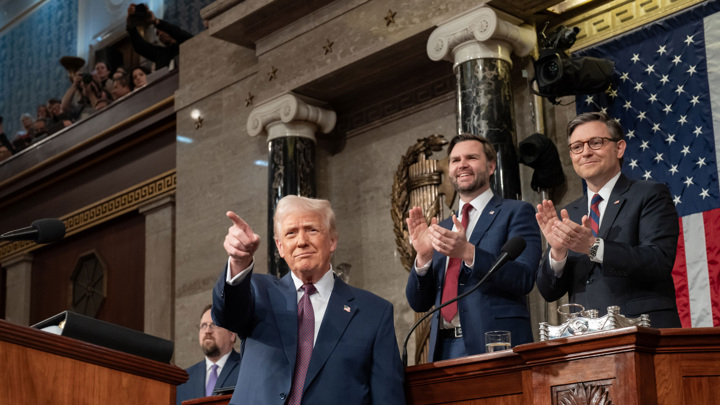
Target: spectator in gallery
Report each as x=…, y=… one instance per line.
x=121, y=87
x=6, y=148
x=58, y=119
x=101, y=74
x=139, y=77
x=43, y=114
x=169, y=35
x=76, y=102
x=119, y=72
x=25, y=136
x=40, y=130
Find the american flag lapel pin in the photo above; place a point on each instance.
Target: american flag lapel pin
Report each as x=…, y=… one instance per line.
x=346, y=308
x=491, y=212
x=617, y=202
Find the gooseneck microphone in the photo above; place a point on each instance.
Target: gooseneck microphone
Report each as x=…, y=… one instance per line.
x=509, y=251
x=46, y=230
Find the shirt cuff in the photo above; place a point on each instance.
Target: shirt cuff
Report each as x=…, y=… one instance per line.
x=557, y=266
x=422, y=270
x=240, y=276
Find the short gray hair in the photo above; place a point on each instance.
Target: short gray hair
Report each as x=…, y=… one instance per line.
x=293, y=203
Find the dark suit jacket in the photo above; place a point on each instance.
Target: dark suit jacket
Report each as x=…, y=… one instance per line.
x=194, y=387
x=355, y=359
x=640, y=232
x=500, y=303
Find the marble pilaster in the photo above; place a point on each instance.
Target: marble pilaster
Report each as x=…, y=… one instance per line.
x=18, y=289
x=290, y=123
x=480, y=43
x=159, y=266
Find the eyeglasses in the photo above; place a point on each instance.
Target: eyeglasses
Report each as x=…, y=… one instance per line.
x=210, y=326
x=593, y=143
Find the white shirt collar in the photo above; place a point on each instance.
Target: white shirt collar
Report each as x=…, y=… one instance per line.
x=221, y=362
x=478, y=202
x=324, y=286
x=606, y=189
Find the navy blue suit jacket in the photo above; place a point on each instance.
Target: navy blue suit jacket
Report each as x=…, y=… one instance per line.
x=500, y=303
x=640, y=232
x=355, y=359
x=194, y=387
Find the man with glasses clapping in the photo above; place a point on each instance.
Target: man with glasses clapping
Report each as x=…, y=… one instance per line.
x=616, y=244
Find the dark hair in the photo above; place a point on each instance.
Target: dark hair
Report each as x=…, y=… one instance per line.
x=208, y=306
x=490, y=153
x=1, y=120
x=613, y=126
x=141, y=67
x=123, y=80
x=54, y=101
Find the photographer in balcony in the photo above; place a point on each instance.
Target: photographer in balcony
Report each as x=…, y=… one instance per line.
x=169, y=35
x=80, y=100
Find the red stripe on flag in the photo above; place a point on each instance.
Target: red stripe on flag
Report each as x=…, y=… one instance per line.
x=711, y=220
x=679, y=275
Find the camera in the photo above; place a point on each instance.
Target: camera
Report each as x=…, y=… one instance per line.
x=87, y=78
x=559, y=75
x=141, y=16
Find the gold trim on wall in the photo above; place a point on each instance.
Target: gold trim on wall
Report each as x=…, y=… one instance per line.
x=104, y=210
x=620, y=16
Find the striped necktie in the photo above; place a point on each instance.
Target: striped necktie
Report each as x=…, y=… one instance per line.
x=595, y=214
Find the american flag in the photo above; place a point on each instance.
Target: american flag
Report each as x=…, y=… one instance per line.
x=668, y=85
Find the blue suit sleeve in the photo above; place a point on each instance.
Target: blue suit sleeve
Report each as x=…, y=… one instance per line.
x=233, y=305
x=387, y=370
x=516, y=276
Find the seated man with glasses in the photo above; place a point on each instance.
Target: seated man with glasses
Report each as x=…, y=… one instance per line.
x=220, y=367
x=616, y=244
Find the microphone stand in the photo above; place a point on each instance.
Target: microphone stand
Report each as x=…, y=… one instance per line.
x=444, y=304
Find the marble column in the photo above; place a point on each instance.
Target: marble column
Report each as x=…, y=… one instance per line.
x=159, y=266
x=290, y=123
x=18, y=289
x=479, y=43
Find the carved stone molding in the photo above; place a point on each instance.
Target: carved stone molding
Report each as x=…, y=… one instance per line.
x=290, y=115
x=480, y=33
x=104, y=210
x=620, y=16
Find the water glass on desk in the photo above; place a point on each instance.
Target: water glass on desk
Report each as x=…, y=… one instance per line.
x=497, y=340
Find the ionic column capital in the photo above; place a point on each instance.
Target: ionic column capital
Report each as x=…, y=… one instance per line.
x=290, y=115
x=478, y=34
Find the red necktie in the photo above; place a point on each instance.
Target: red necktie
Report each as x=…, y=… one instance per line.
x=450, y=289
x=595, y=214
x=306, y=337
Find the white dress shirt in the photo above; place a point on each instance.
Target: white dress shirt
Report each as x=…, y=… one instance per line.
x=220, y=363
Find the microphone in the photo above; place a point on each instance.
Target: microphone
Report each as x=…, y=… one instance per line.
x=509, y=251
x=46, y=230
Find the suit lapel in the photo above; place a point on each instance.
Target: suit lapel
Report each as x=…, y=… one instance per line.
x=487, y=217
x=616, y=202
x=340, y=310
x=230, y=365
x=284, y=305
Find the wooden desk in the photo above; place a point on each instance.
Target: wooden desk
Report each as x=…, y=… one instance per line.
x=41, y=368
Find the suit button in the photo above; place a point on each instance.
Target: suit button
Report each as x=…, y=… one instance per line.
x=589, y=281
x=283, y=396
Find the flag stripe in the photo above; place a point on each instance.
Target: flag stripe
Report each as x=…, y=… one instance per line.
x=712, y=248
x=697, y=269
x=679, y=273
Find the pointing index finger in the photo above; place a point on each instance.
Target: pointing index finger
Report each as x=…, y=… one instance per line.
x=239, y=222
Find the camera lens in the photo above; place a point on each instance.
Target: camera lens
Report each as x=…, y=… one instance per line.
x=550, y=71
